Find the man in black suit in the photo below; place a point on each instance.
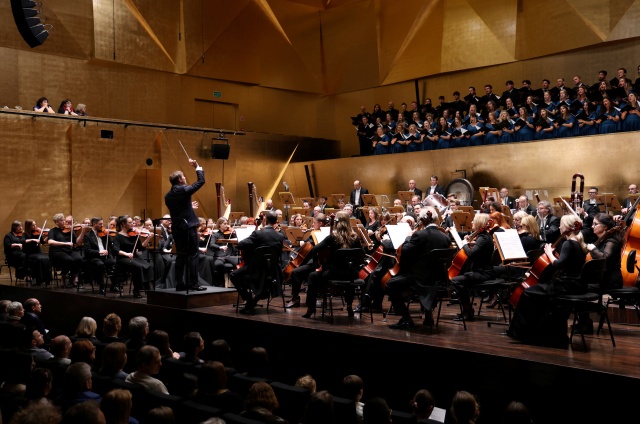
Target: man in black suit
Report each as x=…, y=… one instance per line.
x=97, y=256
x=184, y=225
x=510, y=93
x=524, y=205
x=472, y=98
x=488, y=96
x=434, y=187
x=548, y=223
x=587, y=212
x=416, y=190
x=420, y=274
x=356, y=199
x=506, y=199
x=628, y=202
x=240, y=278
x=31, y=318
x=538, y=95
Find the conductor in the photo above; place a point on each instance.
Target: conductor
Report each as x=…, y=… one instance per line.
x=184, y=223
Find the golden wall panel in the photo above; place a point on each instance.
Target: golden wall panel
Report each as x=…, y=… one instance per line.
x=625, y=26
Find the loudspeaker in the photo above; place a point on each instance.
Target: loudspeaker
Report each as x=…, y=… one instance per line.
x=25, y=14
x=220, y=151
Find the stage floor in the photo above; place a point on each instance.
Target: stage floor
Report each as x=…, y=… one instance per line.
x=480, y=359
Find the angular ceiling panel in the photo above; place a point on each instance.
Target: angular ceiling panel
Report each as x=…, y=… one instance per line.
x=627, y=26
x=501, y=21
x=596, y=15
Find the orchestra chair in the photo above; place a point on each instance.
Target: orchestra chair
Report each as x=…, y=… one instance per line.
x=622, y=296
x=266, y=274
x=347, y=264
x=583, y=304
x=179, y=375
x=27, y=272
x=444, y=257
x=230, y=418
x=241, y=383
x=292, y=400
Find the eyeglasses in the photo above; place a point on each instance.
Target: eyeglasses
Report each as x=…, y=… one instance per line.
x=593, y=192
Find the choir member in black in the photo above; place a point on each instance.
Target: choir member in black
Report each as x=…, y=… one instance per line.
x=510, y=93
x=342, y=237
x=61, y=241
x=607, y=247
x=480, y=255
x=13, y=249
x=631, y=114
x=549, y=224
x=242, y=278
x=365, y=132
x=537, y=319
x=96, y=254
x=301, y=273
x=472, y=98
x=418, y=274
x=38, y=262
x=225, y=254
x=128, y=250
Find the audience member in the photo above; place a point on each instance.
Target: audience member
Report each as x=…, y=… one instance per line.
x=353, y=388
x=464, y=408
x=77, y=385
x=138, y=331
x=193, y=345
x=212, y=389
x=31, y=318
x=111, y=326
x=60, y=349
x=260, y=403
x=148, y=363
x=37, y=413
x=114, y=358
x=160, y=415
x=84, y=413
x=39, y=386
x=258, y=363
x=160, y=339
x=422, y=406
x=376, y=411
x=516, y=413
x=116, y=407
x=87, y=330
x=83, y=351
x=319, y=409
x=42, y=105
x=306, y=382
x=33, y=342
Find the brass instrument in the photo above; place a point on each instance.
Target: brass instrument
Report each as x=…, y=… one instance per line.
x=577, y=196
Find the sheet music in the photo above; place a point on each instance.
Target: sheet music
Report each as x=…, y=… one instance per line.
x=456, y=237
x=243, y=233
x=438, y=414
x=510, y=245
x=398, y=233
x=322, y=234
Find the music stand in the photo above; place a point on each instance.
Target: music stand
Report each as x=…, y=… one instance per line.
x=363, y=235
x=396, y=209
x=369, y=200
x=406, y=196
x=393, y=219
x=490, y=191
x=301, y=211
x=296, y=234
x=309, y=221
x=337, y=198
x=462, y=221
x=610, y=202
x=563, y=207
x=287, y=200
x=311, y=200
x=507, y=214
x=467, y=209
x=234, y=218
x=329, y=211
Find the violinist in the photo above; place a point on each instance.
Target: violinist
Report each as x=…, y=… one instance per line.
x=206, y=266
x=153, y=252
x=372, y=223
x=225, y=255
x=128, y=247
x=418, y=272
x=39, y=263
x=79, y=229
x=479, y=252
x=297, y=220
x=13, y=249
x=528, y=230
x=62, y=240
x=342, y=237
x=97, y=255
x=536, y=319
x=241, y=278
x=628, y=202
x=301, y=273
x=549, y=224
x=608, y=246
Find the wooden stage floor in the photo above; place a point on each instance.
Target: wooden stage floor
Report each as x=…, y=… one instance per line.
x=395, y=363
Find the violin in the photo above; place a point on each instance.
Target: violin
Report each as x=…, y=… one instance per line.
x=19, y=234
x=105, y=231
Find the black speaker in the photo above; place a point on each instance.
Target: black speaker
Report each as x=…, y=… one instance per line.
x=220, y=151
x=26, y=16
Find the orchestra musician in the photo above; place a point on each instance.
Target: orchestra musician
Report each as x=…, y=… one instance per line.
x=537, y=320
x=38, y=262
x=548, y=223
x=434, y=187
x=97, y=255
x=301, y=273
x=480, y=253
x=608, y=247
x=342, y=237
x=61, y=241
x=13, y=249
x=525, y=206
x=412, y=187
x=225, y=255
x=506, y=199
x=628, y=202
x=206, y=262
x=128, y=248
x=153, y=252
x=587, y=212
x=241, y=278
x=417, y=273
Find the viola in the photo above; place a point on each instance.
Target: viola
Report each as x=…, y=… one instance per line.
x=541, y=269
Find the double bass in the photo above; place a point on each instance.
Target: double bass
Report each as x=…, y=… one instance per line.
x=631, y=242
x=541, y=270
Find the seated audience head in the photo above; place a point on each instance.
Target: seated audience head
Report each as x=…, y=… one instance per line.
x=116, y=406
x=464, y=408
x=39, y=384
x=376, y=411
x=258, y=362
x=138, y=328
x=60, y=347
x=319, y=409
x=160, y=339
x=114, y=358
x=352, y=387
x=84, y=413
x=77, y=378
x=111, y=325
x=516, y=413
x=37, y=412
x=148, y=360
x=307, y=382
x=212, y=377
x=261, y=395
x=219, y=350
x=422, y=404
x=160, y=415
x=15, y=310
x=83, y=351
x=193, y=344
x=86, y=328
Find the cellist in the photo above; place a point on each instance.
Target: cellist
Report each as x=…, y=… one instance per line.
x=417, y=274
x=301, y=273
x=536, y=320
x=608, y=246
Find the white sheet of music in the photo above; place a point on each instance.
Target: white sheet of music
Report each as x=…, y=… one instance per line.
x=243, y=233
x=398, y=233
x=510, y=244
x=456, y=237
x=322, y=234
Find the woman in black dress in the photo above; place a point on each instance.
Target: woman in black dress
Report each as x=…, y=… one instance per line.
x=607, y=247
x=13, y=249
x=62, y=239
x=128, y=248
x=38, y=262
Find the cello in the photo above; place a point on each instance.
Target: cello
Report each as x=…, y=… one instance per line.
x=631, y=242
x=541, y=270
x=461, y=260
